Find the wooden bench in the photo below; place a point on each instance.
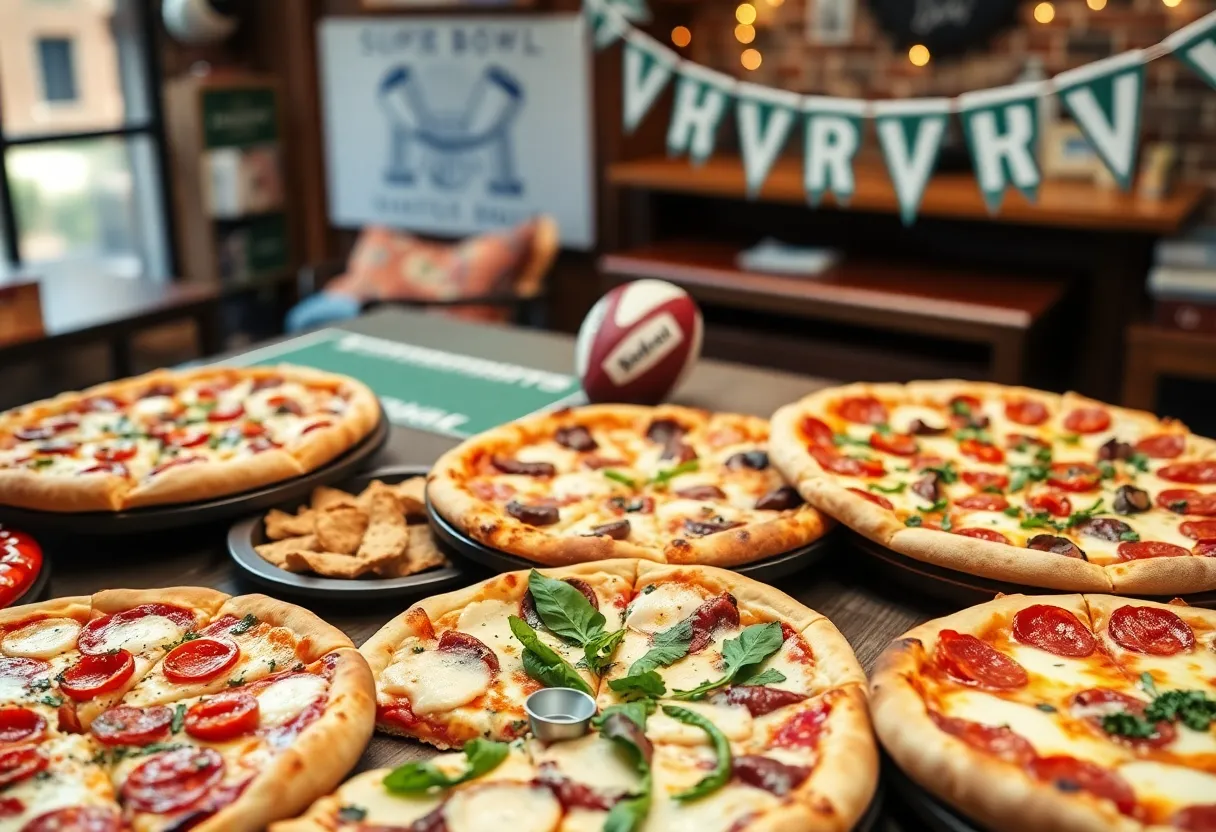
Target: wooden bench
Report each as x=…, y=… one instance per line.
x=997, y=311
x=1153, y=352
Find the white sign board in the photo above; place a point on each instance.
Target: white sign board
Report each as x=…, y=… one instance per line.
x=456, y=125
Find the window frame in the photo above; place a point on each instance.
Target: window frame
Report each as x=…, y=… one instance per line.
x=152, y=127
x=68, y=55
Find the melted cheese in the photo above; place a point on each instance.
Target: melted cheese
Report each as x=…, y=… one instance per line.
x=1193, y=670
x=517, y=808
x=591, y=760
x=42, y=639
x=433, y=681
x=799, y=671
x=902, y=417
x=140, y=634
x=152, y=406
x=665, y=606
x=282, y=701
x=1175, y=786
x=676, y=770
x=584, y=484
x=1070, y=675
x=70, y=781
x=487, y=622
x=383, y=808
x=734, y=721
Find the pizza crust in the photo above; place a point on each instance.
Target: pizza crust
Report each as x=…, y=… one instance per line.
x=24, y=488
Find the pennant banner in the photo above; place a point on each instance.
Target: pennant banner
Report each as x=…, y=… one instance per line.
x=1002, y=130
x=832, y=131
x=911, y=134
x=765, y=118
x=1104, y=98
x=648, y=66
x=701, y=96
x=1195, y=45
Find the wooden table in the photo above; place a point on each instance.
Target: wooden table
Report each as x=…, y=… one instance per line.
x=868, y=616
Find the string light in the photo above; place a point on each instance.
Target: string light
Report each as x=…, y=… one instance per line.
x=1096, y=5
x=775, y=3
x=1045, y=12
x=745, y=33
x=746, y=13
x=1172, y=3
x=681, y=36
x=751, y=58
x=919, y=55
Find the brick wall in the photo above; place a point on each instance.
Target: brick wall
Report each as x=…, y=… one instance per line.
x=1178, y=106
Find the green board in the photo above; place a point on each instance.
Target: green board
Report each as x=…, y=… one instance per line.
x=425, y=388
x=239, y=117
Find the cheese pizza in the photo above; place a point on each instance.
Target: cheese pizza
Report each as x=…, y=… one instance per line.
x=178, y=708
x=723, y=705
x=1058, y=713
x=178, y=436
x=664, y=484
x=1010, y=483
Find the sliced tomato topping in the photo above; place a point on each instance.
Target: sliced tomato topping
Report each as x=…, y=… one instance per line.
x=983, y=502
x=1101, y=700
x=997, y=740
x=1162, y=445
x=93, y=635
x=969, y=660
x=176, y=462
x=19, y=763
x=817, y=432
x=77, y=819
x=188, y=437
x=98, y=404
x=1199, y=472
x=21, y=725
x=1087, y=420
x=1150, y=630
x=983, y=534
x=1052, y=502
x=1053, y=629
x=127, y=725
x=252, y=429
x=174, y=780
x=862, y=410
x=982, y=451
x=1196, y=818
x=1074, y=476
x=979, y=480
x=1142, y=549
x=1198, y=529
x=847, y=466
x=283, y=405
x=24, y=669
x=11, y=807
x=20, y=562
x=95, y=675
x=200, y=660
x=1188, y=501
x=226, y=413
x=1068, y=774
x=876, y=499
x=972, y=404
x=804, y=728
x=116, y=453
x=115, y=468
x=325, y=423
x=1026, y=411
x=900, y=444
x=223, y=717
x=267, y=383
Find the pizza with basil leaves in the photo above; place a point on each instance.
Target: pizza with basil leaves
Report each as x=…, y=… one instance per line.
x=172, y=709
x=723, y=704
x=1010, y=483
x=1058, y=713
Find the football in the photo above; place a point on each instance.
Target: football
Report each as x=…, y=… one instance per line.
x=638, y=343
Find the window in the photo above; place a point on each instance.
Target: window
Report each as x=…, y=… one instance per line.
x=82, y=186
x=58, y=71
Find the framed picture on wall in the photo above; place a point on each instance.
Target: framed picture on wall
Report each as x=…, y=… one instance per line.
x=830, y=22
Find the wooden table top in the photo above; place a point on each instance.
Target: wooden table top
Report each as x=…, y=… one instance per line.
x=869, y=616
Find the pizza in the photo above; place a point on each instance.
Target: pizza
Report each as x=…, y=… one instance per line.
x=738, y=708
x=1058, y=713
x=668, y=484
x=178, y=436
x=1010, y=483
x=151, y=710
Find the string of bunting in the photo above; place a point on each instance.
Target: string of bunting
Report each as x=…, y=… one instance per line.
x=1001, y=125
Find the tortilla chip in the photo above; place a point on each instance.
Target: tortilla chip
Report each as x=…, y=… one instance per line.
x=276, y=553
x=387, y=535
x=374, y=488
x=327, y=564
x=280, y=524
x=324, y=497
x=421, y=554
x=340, y=529
x=412, y=495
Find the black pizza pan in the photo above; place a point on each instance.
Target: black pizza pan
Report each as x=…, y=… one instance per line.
x=250, y=532
x=770, y=569
x=910, y=800
x=177, y=515
x=955, y=587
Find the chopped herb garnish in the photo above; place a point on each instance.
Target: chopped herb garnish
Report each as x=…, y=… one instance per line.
x=617, y=476
x=978, y=434
x=1043, y=455
x=1130, y=537
x=946, y=473
x=418, y=648
x=884, y=489
x=1179, y=506
x=236, y=681
x=841, y=439
x=179, y=718
x=51, y=701
x=1046, y=708
x=1012, y=511
x=244, y=625
x=960, y=408
x=351, y=814
x=1078, y=517
x=1138, y=461
x=42, y=462
x=1040, y=520
x=1106, y=469
x=991, y=489
x=39, y=685
x=913, y=521
x=938, y=505
x=1071, y=439
x=947, y=523
x=661, y=479
x=1023, y=474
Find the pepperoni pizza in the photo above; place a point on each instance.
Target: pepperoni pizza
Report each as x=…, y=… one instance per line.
x=172, y=709
x=1010, y=483
x=1064, y=712
x=178, y=436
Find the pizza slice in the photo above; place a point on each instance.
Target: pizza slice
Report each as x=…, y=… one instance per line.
x=56, y=784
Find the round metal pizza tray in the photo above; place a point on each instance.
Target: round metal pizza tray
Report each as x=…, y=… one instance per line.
x=456, y=542
x=932, y=813
x=961, y=588
x=250, y=532
x=177, y=515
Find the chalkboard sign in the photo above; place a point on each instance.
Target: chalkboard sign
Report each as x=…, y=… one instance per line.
x=945, y=26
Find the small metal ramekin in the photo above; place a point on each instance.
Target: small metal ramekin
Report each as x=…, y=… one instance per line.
x=557, y=714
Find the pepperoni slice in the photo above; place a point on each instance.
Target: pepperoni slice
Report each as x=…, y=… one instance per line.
x=1188, y=501
x=721, y=610
x=1100, y=702
x=127, y=725
x=983, y=534
x=77, y=819
x=527, y=606
x=200, y=660
x=1052, y=502
x=804, y=728
x=93, y=636
x=1143, y=549
x=1076, y=477
x=116, y=453
x=984, y=502
x=1068, y=774
x=970, y=403
x=766, y=773
x=1053, y=629
x=1196, y=818
x=1026, y=411
x=847, y=466
x=19, y=763
x=11, y=807
x=173, y=781
x=454, y=641
x=876, y=499
x=226, y=413
x=900, y=444
x=1199, y=472
x=1162, y=445
x=818, y=433
x=95, y=675
x=223, y=717
x=24, y=669
x=188, y=438
x=324, y=423
x=21, y=725
x=997, y=740
x=980, y=480
x=982, y=451
x=59, y=447
x=972, y=661
x=1087, y=420
x=1198, y=529
x=862, y=410
x=1150, y=630
x=761, y=699
x=1204, y=549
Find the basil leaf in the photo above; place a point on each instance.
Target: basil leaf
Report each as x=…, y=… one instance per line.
x=1146, y=682
x=1026, y=473
x=179, y=719
x=1130, y=537
x=244, y=625
x=351, y=813
x=599, y=650
x=669, y=646
x=482, y=756
x=741, y=655
x=542, y=662
x=1138, y=461
x=648, y=684
x=1125, y=724
x=629, y=814
x=637, y=710
x=564, y=610
x=720, y=775
x=1043, y=454
x=1078, y=517
x=768, y=677
x=1038, y=521
x=617, y=476
x=946, y=474
x=913, y=521
x=661, y=479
